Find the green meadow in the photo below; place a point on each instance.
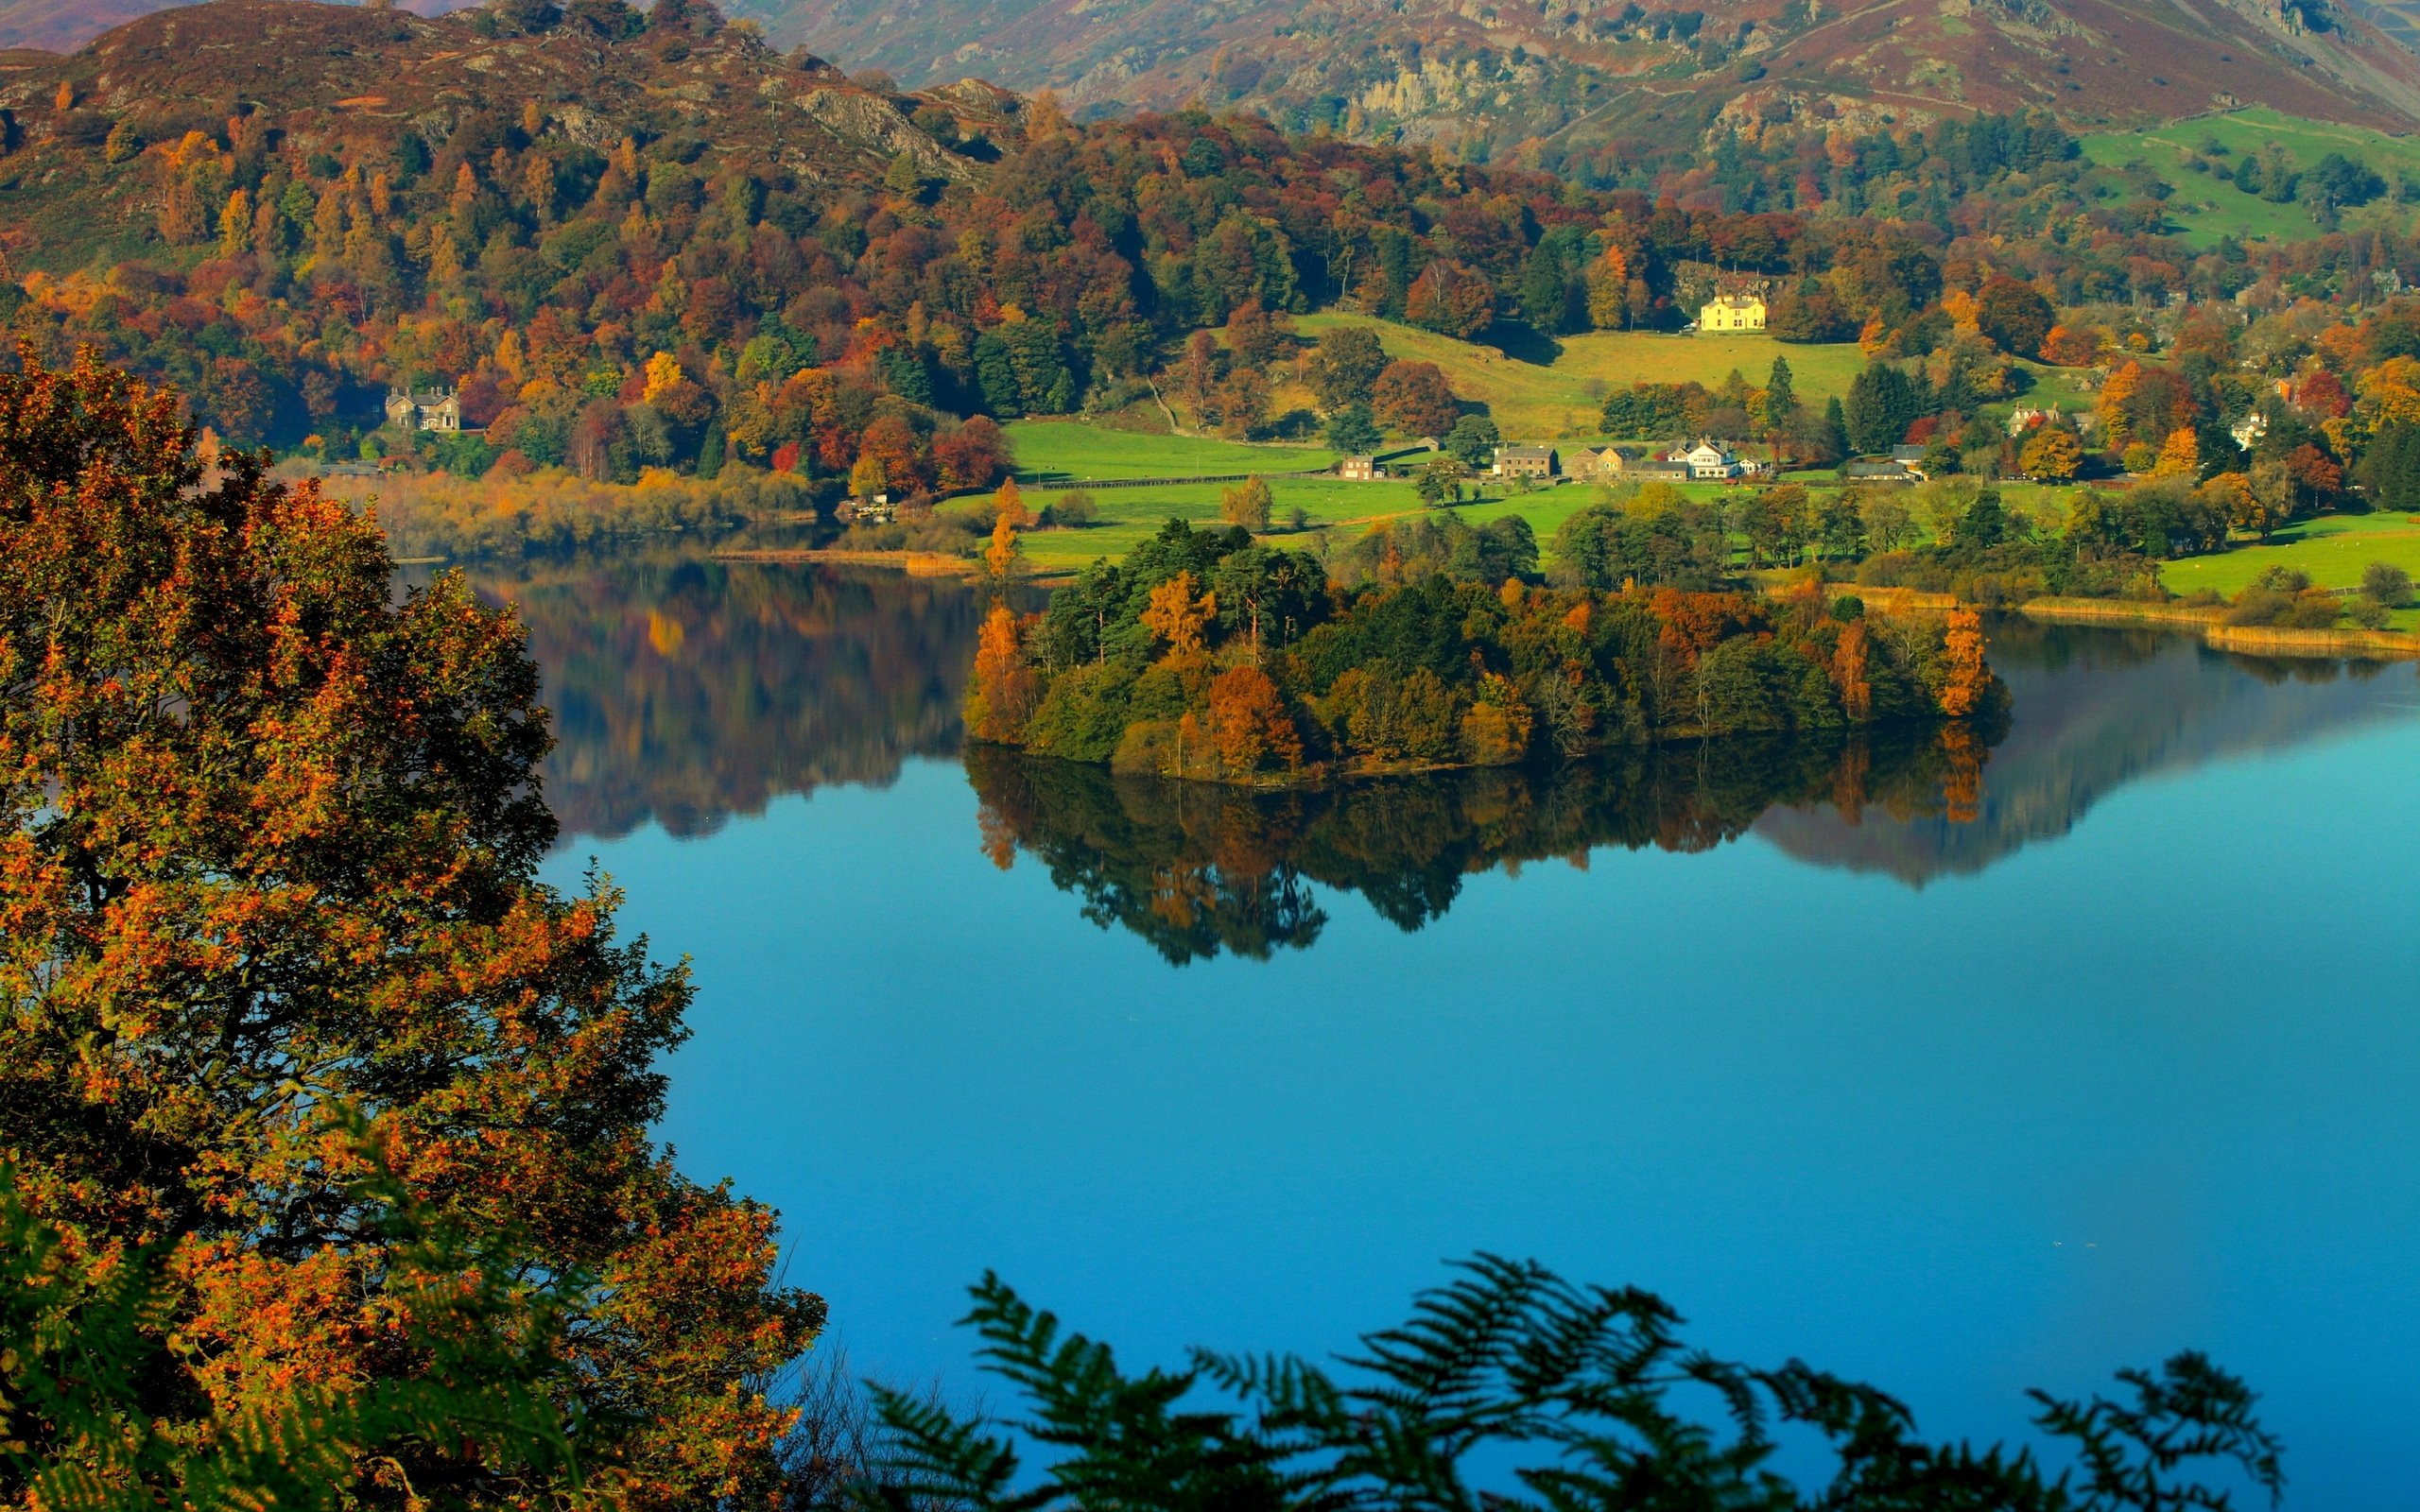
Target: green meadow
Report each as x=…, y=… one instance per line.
x=2204, y=208
x=2332, y=550
x=1051, y=451
x=1560, y=401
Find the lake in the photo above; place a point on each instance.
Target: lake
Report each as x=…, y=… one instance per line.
x=1958, y=1071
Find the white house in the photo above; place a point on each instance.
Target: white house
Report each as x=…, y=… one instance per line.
x=1709, y=459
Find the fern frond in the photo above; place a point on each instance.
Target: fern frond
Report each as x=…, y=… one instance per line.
x=930, y=1451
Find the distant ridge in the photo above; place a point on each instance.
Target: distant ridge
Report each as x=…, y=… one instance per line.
x=1565, y=78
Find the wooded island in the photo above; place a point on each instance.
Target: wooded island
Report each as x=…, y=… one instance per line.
x=1206, y=654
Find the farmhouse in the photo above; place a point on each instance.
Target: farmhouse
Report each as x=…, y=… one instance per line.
x=1893, y=470
x=1526, y=462
x=1733, y=312
x=1658, y=469
x=1361, y=469
x=2024, y=418
x=1606, y=462
x=425, y=409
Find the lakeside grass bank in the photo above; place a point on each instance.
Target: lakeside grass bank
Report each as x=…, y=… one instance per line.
x=2259, y=640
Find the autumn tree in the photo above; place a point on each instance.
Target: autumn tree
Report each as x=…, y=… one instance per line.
x=1608, y=280
x=1246, y=503
x=1347, y=364
x=1178, y=617
x=1008, y=503
x=1003, y=558
x=1249, y=723
x=867, y=478
x=1850, y=666
x=1450, y=298
x=1002, y=694
x=2053, y=453
x=2180, y=456
x=973, y=454
x=1495, y=727
x=1414, y=399
x=1242, y=402
x=1969, y=679
x=273, y=832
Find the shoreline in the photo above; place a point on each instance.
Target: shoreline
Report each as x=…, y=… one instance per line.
x=2258, y=640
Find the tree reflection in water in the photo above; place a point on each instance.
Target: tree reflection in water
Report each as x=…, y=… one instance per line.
x=1198, y=869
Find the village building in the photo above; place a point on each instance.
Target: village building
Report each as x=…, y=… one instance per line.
x=2024, y=418
x=1733, y=312
x=1607, y=461
x=2248, y=431
x=1526, y=462
x=1892, y=471
x=1709, y=459
x=1658, y=469
x=1361, y=469
x=425, y=409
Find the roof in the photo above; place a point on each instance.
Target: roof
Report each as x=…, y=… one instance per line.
x=1736, y=302
x=1532, y=453
x=1876, y=469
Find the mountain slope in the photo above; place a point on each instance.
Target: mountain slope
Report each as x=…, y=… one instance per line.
x=1490, y=77
x=329, y=78
x=63, y=25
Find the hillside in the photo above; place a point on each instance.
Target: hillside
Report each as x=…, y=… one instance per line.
x=1566, y=82
x=345, y=79
x=1588, y=87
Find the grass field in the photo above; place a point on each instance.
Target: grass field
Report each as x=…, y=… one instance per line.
x=1560, y=401
x=1051, y=450
x=1331, y=507
x=1130, y=516
x=2333, y=549
x=2203, y=208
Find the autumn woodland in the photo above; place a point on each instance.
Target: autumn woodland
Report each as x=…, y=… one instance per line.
x=1208, y=437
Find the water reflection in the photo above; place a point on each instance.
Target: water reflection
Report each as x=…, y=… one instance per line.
x=1198, y=869
x=689, y=690
x=2094, y=710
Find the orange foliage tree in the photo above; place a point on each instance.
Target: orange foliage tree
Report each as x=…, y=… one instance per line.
x=1849, y=672
x=1248, y=722
x=1003, y=557
x=272, y=848
x=1969, y=679
x=1178, y=616
x=1005, y=687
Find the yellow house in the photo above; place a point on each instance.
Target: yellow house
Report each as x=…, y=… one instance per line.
x=1733, y=312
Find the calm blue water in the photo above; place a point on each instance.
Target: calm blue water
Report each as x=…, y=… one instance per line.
x=2123, y=1064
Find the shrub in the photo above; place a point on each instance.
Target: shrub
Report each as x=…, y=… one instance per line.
x=2387, y=583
